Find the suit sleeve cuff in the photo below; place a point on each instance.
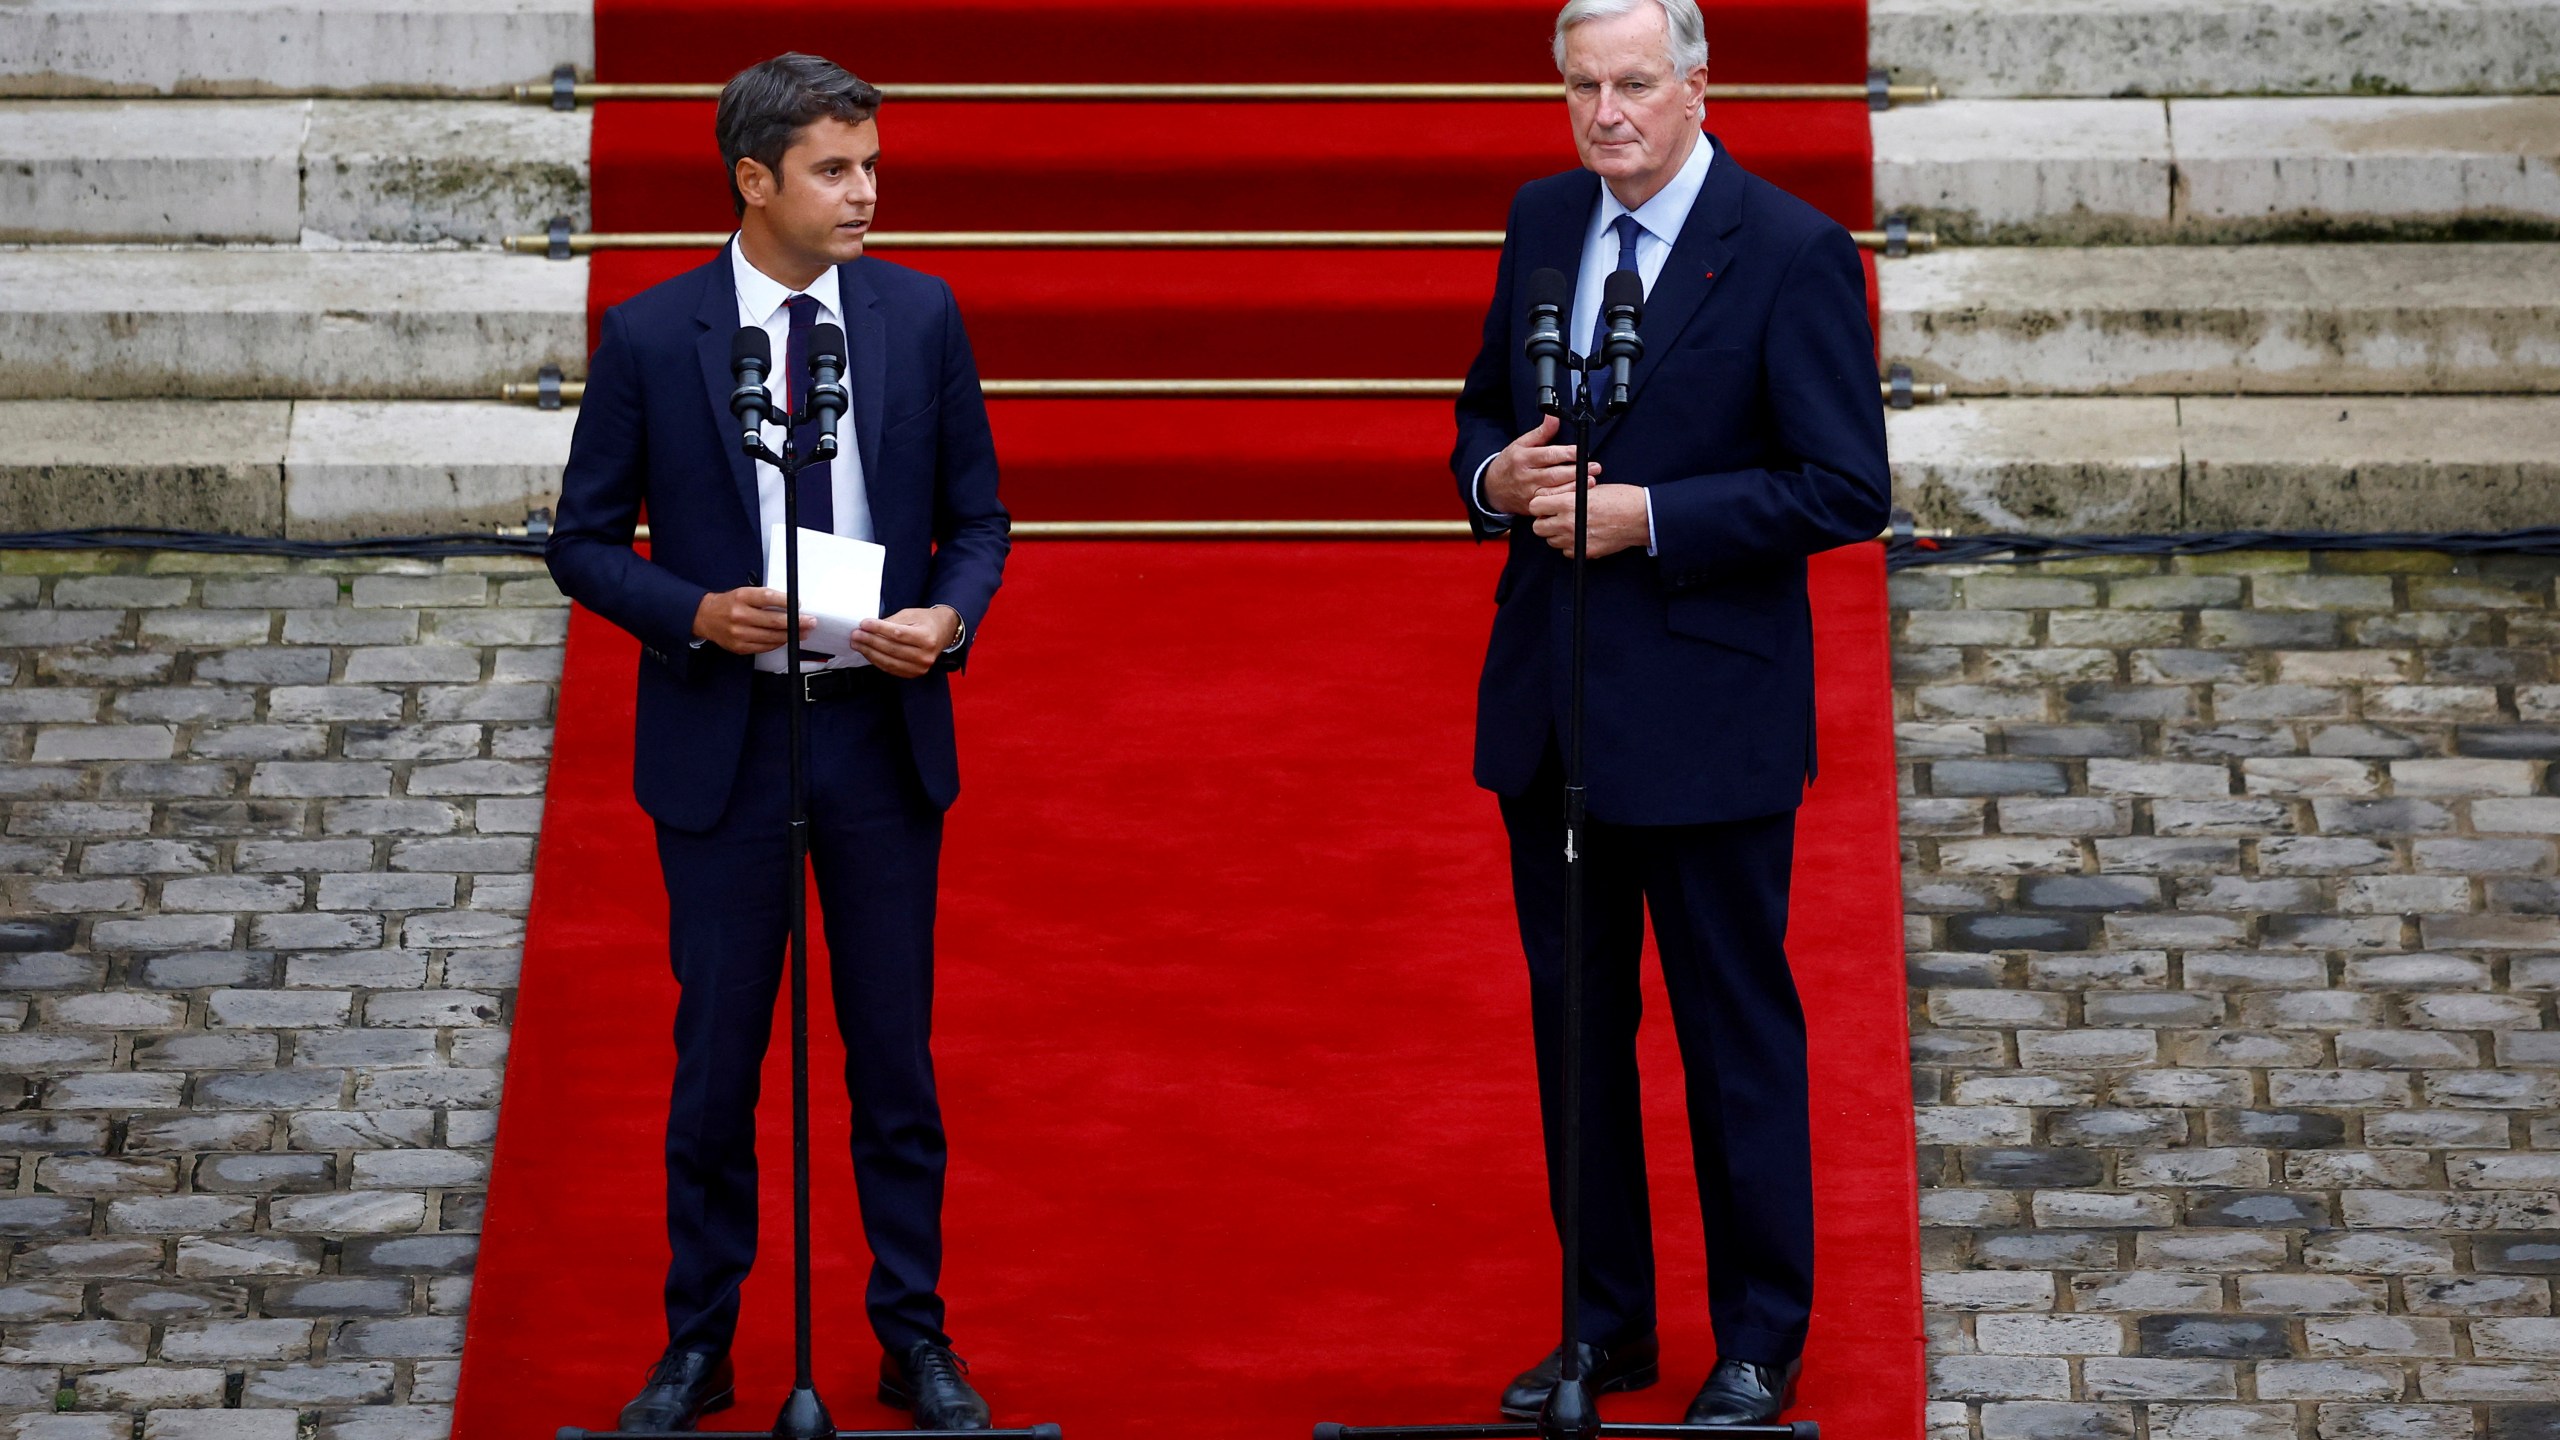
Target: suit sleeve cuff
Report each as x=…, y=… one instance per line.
x=1475, y=497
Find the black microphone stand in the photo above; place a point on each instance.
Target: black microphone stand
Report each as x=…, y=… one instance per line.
x=1570, y=1412
x=803, y=1416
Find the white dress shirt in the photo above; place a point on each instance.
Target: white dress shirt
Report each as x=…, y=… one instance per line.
x=762, y=302
x=1660, y=220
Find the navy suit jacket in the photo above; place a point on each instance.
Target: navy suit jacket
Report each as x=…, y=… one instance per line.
x=1756, y=424
x=655, y=436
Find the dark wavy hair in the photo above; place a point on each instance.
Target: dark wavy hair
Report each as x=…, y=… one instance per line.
x=764, y=108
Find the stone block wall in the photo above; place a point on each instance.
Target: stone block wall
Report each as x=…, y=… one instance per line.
x=266, y=838
x=2233, y=943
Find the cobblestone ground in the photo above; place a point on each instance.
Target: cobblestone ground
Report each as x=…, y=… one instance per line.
x=268, y=843
x=2233, y=944
x=2234, y=936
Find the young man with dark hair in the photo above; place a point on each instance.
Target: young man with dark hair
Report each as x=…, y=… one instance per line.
x=915, y=472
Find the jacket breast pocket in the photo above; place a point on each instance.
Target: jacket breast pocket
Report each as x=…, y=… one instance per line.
x=1708, y=372
x=1726, y=620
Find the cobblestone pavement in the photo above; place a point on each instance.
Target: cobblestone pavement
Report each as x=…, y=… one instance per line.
x=2234, y=936
x=268, y=843
x=2233, y=944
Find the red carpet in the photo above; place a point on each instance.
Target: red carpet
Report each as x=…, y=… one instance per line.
x=1225, y=459
x=1198, y=314
x=1232, y=1024
x=1183, y=314
x=1335, y=166
x=1232, y=1031
x=1093, y=41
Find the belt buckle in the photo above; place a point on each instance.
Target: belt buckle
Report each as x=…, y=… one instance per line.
x=809, y=686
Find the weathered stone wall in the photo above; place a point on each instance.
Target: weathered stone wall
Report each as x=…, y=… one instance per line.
x=2233, y=942
x=2234, y=932
x=268, y=839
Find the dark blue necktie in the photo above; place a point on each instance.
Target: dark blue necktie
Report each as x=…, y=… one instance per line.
x=817, y=483
x=1626, y=229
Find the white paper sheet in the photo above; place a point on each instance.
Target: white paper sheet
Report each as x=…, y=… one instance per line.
x=839, y=586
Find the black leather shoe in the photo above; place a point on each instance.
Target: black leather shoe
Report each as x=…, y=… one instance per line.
x=929, y=1380
x=1739, y=1392
x=684, y=1386
x=1628, y=1365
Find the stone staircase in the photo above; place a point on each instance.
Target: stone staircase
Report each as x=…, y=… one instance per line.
x=2043, y=48
x=259, y=289
x=214, y=309
x=2349, y=201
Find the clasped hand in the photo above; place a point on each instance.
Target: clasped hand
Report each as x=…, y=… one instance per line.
x=1533, y=477
x=749, y=621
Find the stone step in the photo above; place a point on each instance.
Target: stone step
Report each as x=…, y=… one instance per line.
x=2220, y=170
x=2268, y=319
x=283, y=324
x=416, y=172
x=2153, y=464
x=311, y=469
x=1988, y=172
x=2136, y=464
x=2407, y=167
x=289, y=47
x=2220, y=47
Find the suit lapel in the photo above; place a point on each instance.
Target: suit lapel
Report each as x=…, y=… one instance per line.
x=1551, y=240
x=1697, y=258
x=867, y=369
x=717, y=313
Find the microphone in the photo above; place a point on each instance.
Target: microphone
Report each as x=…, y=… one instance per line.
x=826, y=402
x=1622, y=305
x=1549, y=292
x=751, y=359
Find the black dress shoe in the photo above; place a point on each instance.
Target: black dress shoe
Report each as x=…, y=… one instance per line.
x=684, y=1386
x=929, y=1380
x=1739, y=1392
x=1630, y=1364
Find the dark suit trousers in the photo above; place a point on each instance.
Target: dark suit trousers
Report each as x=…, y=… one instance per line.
x=875, y=843
x=1718, y=896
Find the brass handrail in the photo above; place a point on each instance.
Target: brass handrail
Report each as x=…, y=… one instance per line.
x=1242, y=529
x=1229, y=530
x=590, y=242
x=583, y=243
x=572, y=392
x=591, y=92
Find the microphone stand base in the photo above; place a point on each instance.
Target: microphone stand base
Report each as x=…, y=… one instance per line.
x=803, y=1417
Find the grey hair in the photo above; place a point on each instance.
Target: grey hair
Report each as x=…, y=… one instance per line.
x=1684, y=29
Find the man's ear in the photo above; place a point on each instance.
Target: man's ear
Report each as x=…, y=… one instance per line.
x=755, y=182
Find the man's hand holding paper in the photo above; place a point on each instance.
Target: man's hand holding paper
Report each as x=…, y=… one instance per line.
x=906, y=644
x=744, y=621
x=839, y=590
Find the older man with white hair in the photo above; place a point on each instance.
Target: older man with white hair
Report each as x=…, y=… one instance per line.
x=1754, y=440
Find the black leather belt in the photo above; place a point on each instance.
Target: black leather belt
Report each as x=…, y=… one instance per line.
x=827, y=684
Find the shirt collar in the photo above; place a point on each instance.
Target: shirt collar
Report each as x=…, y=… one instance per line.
x=1668, y=210
x=761, y=296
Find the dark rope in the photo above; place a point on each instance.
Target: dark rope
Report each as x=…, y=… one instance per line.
x=135, y=537
x=1903, y=550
